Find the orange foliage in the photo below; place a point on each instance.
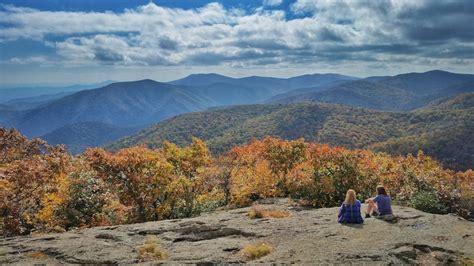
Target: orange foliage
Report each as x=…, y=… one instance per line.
x=43, y=188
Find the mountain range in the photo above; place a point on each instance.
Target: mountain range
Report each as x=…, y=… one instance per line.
x=440, y=131
x=403, y=92
x=87, y=117
x=137, y=104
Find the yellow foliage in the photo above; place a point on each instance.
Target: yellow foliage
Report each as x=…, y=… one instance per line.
x=253, y=181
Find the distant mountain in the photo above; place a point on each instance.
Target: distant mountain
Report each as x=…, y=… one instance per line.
x=77, y=137
x=325, y=123
x=431, y=82
x=6, y=113
x=360, y=93
x=398, y=93
x=232, y=94
x=270, y=86
x=33, y=102
x=123, y=104
x=313, y=80
x=376, y=78
x=202, y=80
x=287, y=96
x=25, y=92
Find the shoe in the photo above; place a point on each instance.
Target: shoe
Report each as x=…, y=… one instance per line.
x=367, y=215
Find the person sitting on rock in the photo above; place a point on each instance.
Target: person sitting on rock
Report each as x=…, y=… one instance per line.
x=350, y=209
x=380, y=206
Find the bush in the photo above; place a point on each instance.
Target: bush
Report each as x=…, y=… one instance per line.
x=428, y=202
x=151, y=251
x=256, y=251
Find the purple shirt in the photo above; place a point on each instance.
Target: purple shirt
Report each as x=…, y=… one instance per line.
x=350, y=214
x=384, y=204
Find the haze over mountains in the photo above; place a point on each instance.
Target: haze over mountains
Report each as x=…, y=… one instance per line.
x=88, y=118
x=7, y=94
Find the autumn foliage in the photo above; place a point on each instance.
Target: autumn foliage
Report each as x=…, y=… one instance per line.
x=43, y=188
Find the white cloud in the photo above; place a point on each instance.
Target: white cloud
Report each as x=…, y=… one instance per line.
x=272, y=2
x=29, y=60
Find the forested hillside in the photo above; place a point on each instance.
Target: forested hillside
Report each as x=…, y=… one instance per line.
x=360, y=93
x=442, y=133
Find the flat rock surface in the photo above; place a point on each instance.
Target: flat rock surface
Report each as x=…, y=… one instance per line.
x=306, y=236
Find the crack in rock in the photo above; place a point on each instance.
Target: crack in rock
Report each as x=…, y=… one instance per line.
x=198, y=233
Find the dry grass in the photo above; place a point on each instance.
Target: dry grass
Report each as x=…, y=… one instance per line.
x=36, y=255
x=465, y=261
x=257, y=212
x=256, y=251
x=151, y=251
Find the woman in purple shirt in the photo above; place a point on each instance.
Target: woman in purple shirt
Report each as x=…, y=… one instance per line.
x=350, y=209
x=381, y=205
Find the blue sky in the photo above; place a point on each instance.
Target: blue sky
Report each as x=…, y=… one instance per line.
x=82, y=41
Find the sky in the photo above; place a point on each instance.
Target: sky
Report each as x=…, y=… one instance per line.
x=86, y=41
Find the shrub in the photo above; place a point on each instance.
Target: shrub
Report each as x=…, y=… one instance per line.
x=257, y=212
x=151, y=251
x=256, y=251
x=87, y=197
x=428, y=202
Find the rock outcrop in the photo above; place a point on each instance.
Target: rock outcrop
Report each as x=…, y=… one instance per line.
x=306, y=236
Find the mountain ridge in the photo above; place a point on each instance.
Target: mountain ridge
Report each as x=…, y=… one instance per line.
x=317, y=122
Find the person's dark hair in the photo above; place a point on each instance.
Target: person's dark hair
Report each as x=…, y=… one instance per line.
x=381, y=191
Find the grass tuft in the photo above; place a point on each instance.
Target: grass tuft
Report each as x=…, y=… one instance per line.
x=465, y=261
x=256, y=251
x=257, y=212
x=151, y=251
x=36, y=254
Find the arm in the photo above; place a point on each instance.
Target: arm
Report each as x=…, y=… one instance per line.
x=374, y=199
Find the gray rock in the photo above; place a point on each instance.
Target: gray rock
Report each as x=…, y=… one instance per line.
x=307, y=236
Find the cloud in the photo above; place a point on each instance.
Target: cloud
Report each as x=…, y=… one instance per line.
x=311, y=31
x=29, y=60
x=272, y=2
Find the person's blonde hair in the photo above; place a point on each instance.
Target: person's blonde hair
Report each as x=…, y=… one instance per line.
x=350, y=197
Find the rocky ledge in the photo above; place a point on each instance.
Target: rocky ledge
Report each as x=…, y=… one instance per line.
x=305, y=236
